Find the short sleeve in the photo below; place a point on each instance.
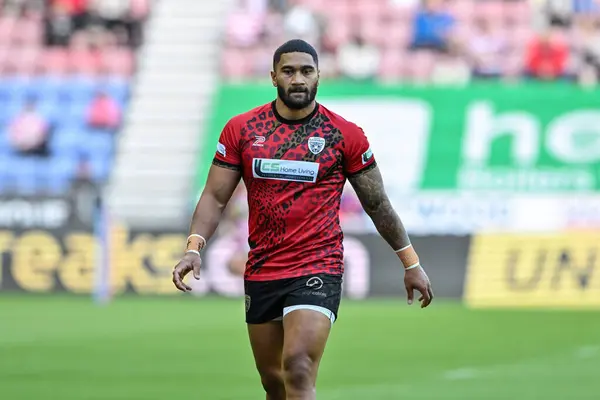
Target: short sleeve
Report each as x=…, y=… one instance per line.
x=228, y=153
x=358, y=156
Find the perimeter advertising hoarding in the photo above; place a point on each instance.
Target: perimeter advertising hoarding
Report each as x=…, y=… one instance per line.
x=541, y=270
x=63, y=260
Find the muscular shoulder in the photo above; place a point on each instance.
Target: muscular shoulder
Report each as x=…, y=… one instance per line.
x=348, y=128
x=250, y=117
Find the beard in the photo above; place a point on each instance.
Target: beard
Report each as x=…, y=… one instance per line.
x=297, y=101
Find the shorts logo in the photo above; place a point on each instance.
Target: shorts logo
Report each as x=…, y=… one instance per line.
x=316, y=144
x=367, y=156
x=247, y=299
x=221, y=149
x=315, y=283
x=285, y=170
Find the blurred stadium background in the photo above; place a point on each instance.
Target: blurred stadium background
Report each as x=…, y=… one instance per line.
x=484, y=118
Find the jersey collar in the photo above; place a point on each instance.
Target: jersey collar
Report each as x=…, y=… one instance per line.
x=294, y=121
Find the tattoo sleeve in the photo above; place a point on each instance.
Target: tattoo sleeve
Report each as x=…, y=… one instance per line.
x=371, y=193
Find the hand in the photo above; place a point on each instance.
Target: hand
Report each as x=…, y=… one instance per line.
x=416, y=278
x=189, y=262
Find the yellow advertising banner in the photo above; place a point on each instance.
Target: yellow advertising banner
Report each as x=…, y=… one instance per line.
x=547, y=271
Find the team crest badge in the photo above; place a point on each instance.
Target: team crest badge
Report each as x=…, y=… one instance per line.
x=247, y=302
x=316, y=144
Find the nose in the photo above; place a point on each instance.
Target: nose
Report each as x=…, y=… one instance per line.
x=298, y=79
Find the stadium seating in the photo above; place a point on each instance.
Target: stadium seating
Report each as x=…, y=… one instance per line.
x=63, y=80
x=387, y=24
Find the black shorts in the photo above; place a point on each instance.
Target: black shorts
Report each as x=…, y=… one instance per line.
x=267, y=300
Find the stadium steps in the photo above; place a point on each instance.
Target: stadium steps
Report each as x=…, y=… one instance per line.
x=156, y=163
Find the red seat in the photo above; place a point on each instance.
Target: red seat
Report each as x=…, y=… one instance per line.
x=7, y=26
x=54, y=61
x=396, y=35
x=84, y=62
x=390, y=67
x=118, y=61
x=25, y=60
x=27, y=32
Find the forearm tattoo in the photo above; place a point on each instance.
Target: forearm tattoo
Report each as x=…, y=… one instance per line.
x=371, y=193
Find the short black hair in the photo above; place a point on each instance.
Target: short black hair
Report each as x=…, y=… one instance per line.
x=295, y=46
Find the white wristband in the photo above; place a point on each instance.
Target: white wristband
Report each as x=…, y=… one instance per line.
x=404, y=248
x=413, y=266
x=193, y=251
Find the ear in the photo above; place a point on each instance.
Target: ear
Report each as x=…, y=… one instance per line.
x=274, y=78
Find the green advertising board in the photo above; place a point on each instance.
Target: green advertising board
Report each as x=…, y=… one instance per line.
x=526, y=138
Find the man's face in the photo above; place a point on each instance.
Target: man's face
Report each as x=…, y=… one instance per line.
x=296, y=78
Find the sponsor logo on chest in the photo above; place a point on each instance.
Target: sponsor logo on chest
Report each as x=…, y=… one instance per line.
x=285, y=170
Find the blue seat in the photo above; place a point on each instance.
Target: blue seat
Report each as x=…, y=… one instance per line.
x=117, y=88
x=5, y=147
x=60, y=173
x=81, y=89
x=100, y=167
x=26, y=174
x=98, y=143
x=50, y=88
x=5, y=180
x=67, y=142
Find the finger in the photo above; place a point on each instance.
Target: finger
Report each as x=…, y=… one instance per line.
x=179, y=284
x=409, y=291
x=430, y=290
x=196, y=270
x=426, y=297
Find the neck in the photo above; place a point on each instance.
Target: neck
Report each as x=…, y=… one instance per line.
x=291, y=114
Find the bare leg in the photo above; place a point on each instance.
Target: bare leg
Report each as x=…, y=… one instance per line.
x=267, y=345
x=305, y=336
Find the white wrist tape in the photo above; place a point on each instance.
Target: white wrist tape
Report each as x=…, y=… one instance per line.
x=402, y=249
x=412, y=266
x=198, y=236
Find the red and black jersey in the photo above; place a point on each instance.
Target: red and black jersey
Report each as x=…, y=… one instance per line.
x=294, y=172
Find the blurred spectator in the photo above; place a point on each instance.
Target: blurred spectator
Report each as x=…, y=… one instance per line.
x=358, y=60
x=104, y=113
x=431, y=26
x=588, y=50
x=58, y=25
x=486, y=47
x=28, y=131
x=494, y=38
x=450, y=69
x=546, y=57
x=301, y=23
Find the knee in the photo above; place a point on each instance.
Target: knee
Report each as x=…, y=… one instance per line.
x=272, y=382
x=298, y=370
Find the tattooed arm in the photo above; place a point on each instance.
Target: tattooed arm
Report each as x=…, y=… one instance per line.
x=370, y=190
x=371, y=193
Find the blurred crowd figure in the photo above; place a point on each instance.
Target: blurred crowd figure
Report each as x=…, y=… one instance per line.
x=423, y=41
x=95, y=23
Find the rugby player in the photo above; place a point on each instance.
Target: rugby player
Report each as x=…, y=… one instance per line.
x=294, y=156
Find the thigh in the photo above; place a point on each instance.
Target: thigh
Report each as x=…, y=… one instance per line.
x=266, y=341
x=305, y=336
x=311, y=307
